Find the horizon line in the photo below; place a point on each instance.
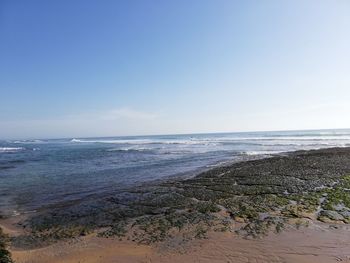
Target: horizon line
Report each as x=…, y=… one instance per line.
x=178, y=134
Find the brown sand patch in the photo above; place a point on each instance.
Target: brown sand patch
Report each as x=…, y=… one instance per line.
x=10, y=225
x=316, y=244
x=85, y=250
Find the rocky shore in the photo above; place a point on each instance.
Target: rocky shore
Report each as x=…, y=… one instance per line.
x=249, y=199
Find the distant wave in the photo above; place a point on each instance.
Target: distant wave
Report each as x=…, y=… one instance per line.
x=129, y=150
x=276, y=138
x=190, y=142
x=10, y=149
x=306, y=144
x=116, y=141
x=262, y=152
x=28, y=141
x=330, y=140
x=143, y=141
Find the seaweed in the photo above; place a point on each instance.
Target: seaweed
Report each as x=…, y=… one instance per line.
x=253, y=197
x=5, y=255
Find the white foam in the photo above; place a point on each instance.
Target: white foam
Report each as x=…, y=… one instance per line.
x=29, y=141
x=277, y=138
x=136, y=149
x=145, y=141
x=288, y=142
x=262, y=152
x=10, y=149
x=189, y=142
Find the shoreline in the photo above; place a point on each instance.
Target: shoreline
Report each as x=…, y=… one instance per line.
x=315, y=244
x=249, y=200
x=244, y=157
x=171, y=178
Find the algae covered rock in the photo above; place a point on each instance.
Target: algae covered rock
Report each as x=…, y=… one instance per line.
x=5, y=255
x=329, y=214
x=259, y=195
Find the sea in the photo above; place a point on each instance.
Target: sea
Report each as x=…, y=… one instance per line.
x=40, y=173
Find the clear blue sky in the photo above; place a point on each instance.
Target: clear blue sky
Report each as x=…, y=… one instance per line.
x=102, y=68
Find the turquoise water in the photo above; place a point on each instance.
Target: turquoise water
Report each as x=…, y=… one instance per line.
x=39, y=173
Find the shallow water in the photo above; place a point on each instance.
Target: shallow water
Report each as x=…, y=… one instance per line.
x=37, y=173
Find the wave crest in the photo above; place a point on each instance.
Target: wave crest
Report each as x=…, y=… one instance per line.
x=10, y=149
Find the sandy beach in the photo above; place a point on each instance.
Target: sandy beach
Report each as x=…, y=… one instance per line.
x=317, y=244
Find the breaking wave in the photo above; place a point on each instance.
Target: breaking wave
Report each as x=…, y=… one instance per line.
x=10, y=149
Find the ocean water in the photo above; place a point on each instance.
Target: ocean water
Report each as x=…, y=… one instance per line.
x=39, y=173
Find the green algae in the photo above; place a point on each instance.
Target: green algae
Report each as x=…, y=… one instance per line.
x=260, y=195
x=5, y=255
x=117, y=230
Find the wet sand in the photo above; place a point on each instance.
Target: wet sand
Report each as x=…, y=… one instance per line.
x=316, y=244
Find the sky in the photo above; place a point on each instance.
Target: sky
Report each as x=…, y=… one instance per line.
x=108, y=68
